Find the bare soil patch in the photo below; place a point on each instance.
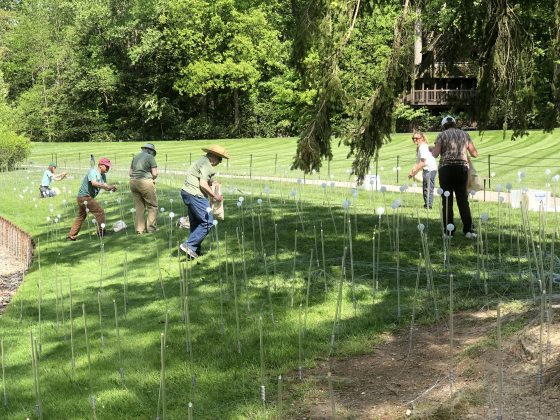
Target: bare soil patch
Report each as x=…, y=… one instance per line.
x=11, y=276
x=405, y=378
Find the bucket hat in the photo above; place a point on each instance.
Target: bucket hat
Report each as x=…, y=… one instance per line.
x=53, y=164
x=217, y=150
x=149, y=146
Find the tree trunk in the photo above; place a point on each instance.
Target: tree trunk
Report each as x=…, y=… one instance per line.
x=236, y=110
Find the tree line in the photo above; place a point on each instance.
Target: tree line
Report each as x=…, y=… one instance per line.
x=105, y=70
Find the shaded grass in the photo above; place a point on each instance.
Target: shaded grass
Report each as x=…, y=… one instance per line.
x=227, y=383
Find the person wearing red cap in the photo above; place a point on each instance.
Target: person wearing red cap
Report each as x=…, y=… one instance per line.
x=94, y=181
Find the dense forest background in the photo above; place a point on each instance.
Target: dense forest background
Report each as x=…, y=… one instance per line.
x=105, y=70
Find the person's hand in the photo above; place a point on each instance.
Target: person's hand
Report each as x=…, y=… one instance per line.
x=218, y=198
x=410, y=175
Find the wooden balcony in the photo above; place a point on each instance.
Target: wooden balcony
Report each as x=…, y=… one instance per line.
x=435, y=97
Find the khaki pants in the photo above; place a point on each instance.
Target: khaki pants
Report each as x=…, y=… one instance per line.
x=144, y=197
x=94, y=208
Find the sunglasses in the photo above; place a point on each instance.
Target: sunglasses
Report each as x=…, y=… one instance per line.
x=416, y=138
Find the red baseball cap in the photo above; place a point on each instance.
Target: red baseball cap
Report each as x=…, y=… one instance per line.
x=105, y=161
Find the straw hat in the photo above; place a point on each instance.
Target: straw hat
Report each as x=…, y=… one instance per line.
x=217, y=150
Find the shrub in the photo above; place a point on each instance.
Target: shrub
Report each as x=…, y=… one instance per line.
x=14, y=148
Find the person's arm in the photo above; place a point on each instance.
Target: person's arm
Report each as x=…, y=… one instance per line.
x=436, y=150
x=103, y=186
x=205, y=187
x=60, y=176
x=417, y=168
x=472, y=150
x=154, y=173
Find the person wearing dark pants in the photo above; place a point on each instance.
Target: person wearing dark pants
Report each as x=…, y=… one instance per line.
x=196, y=193
x=453, y=145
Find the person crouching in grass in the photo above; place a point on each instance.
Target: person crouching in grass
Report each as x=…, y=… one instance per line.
x=93, y=182
x=47, y=180
x=196, y=193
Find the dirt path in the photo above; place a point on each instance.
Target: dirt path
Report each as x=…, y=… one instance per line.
x=11, y=276
x=394, y=382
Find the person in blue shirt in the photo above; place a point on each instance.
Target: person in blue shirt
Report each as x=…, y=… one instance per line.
x=48, y=178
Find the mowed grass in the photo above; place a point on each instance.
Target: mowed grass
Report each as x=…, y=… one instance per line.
x=500, y=159
x=220, y=381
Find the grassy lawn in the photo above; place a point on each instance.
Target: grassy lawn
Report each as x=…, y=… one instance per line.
x=272, y=157
x=253, y=269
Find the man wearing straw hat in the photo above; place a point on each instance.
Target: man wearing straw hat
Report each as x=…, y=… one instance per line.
x=196, y=193
x=48, y=178
x=143, y=172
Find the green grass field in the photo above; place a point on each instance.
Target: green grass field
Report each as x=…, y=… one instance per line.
x=253, y=268
x=272, y=157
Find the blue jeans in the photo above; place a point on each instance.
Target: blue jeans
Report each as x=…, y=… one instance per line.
x=200, y=219
x=428, y=182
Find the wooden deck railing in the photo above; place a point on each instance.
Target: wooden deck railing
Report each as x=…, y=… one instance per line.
x=439, y=96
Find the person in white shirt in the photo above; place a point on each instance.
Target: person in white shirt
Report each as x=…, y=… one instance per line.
x=426, y=163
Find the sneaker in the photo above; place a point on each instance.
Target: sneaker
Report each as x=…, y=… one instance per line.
x=188, y=251
x=471, y=235
x=71, y=238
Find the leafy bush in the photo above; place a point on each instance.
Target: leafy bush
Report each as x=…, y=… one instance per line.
x=14, y=148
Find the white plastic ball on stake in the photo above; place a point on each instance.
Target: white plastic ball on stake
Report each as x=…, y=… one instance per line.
x=171, y=215
x=345, y=204
x=241, y=199
x=293, y=193
x=508, y=186
x=492, y=174
x=383, y=189
x=208, y=210
x=259, y=201
x=450, y=227
x=547, y=172
x=239, y=204
x=380, y=211
x=214, y=222
x=439, y=191
x=484, y=217
x=446, y=193
x=162, y=209
x=102, y=225
x=501, y=199
x=499, y=188
x=421, y=227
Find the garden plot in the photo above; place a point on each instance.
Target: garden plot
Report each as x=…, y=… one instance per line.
x=126, y=327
